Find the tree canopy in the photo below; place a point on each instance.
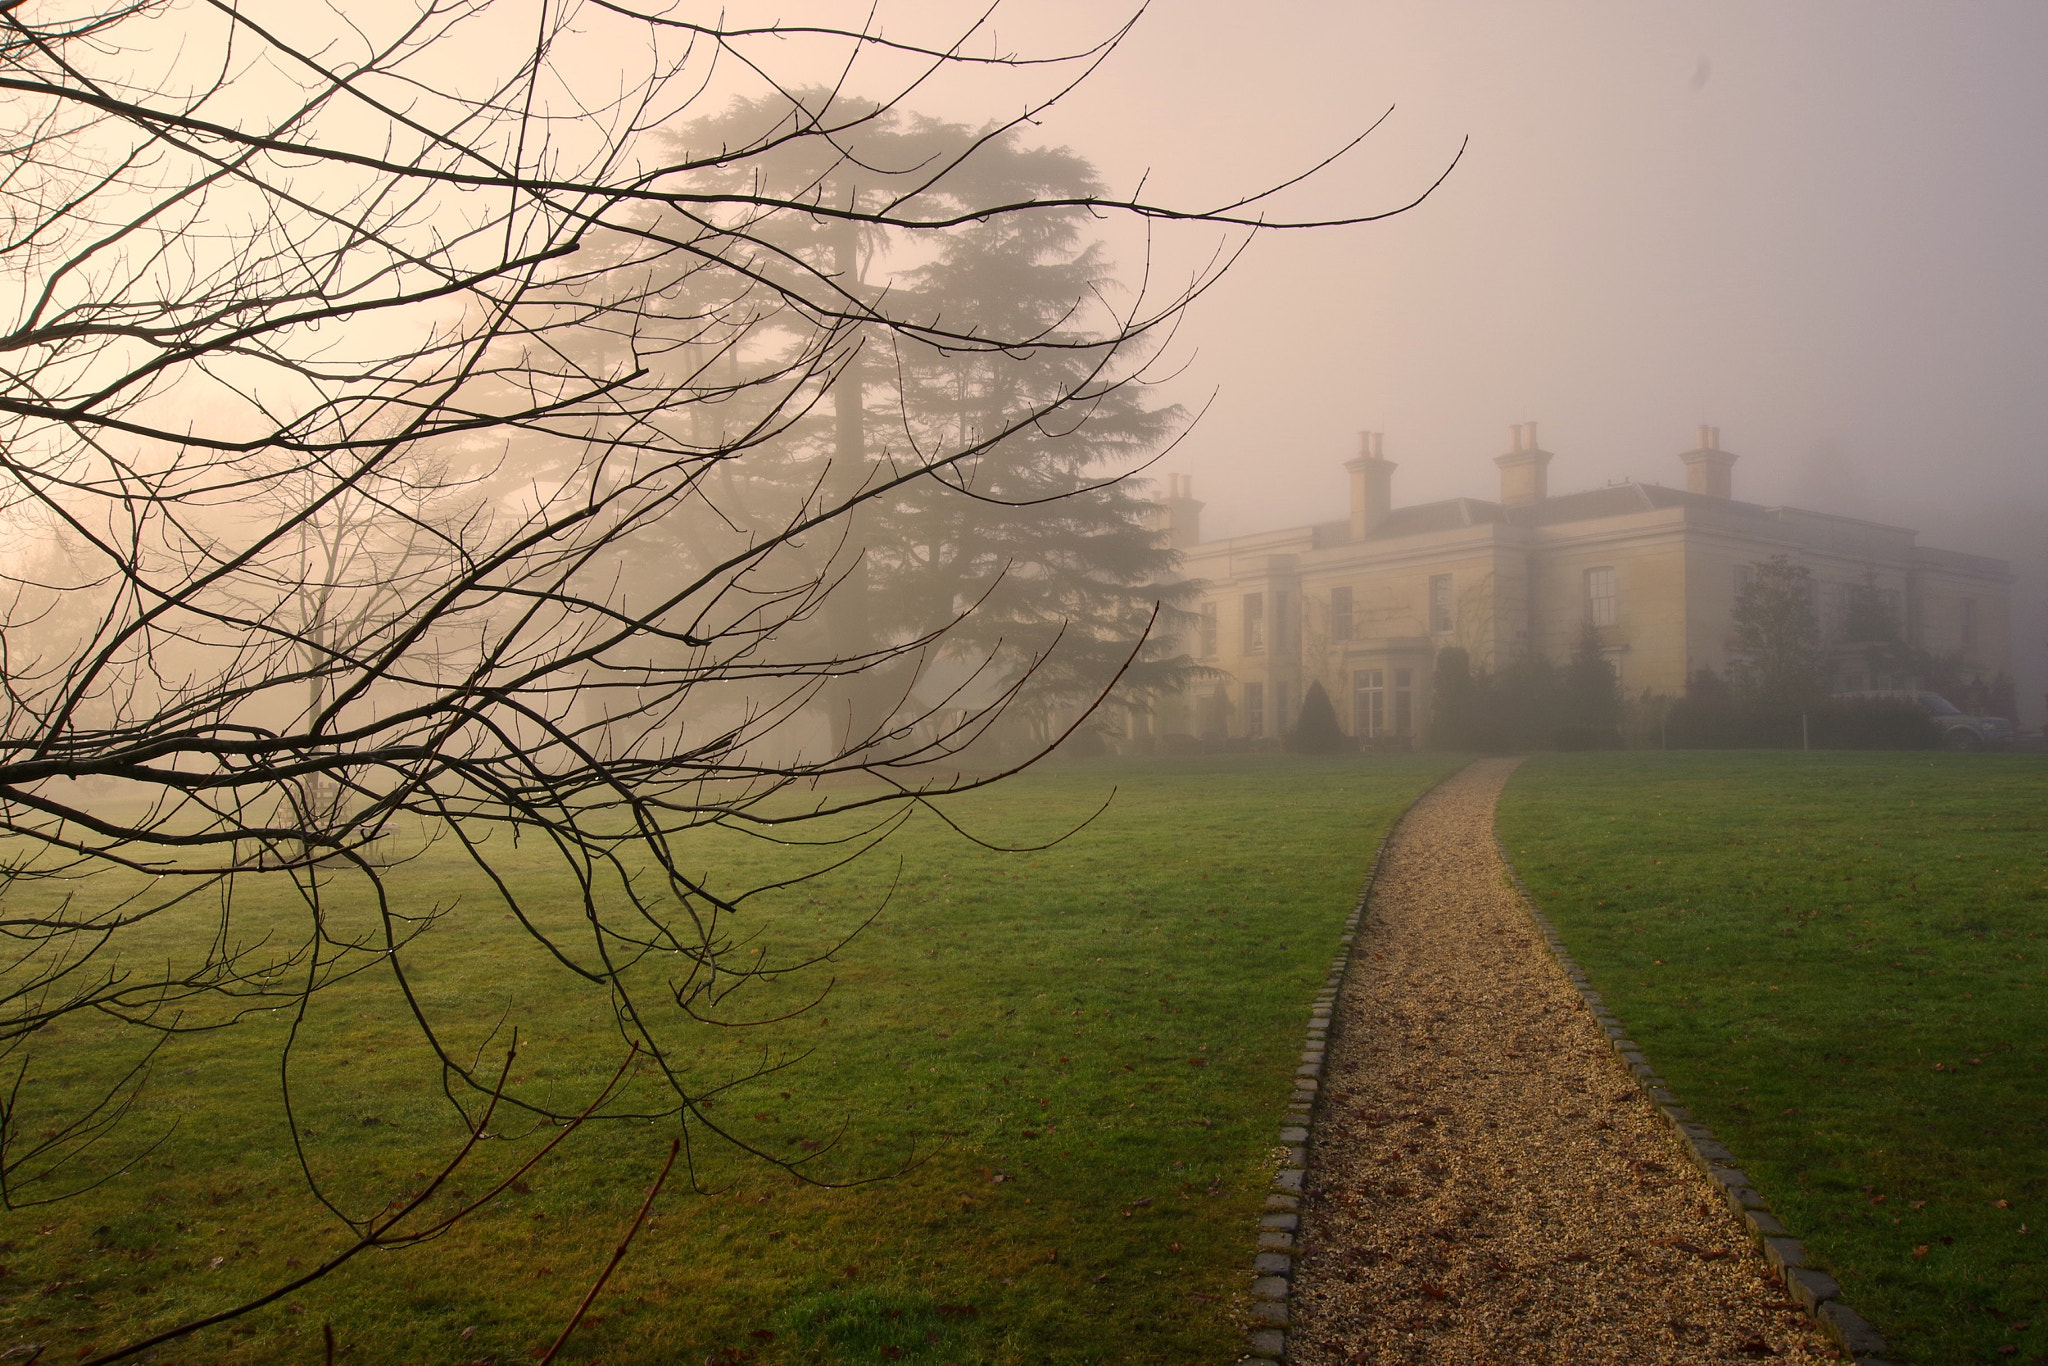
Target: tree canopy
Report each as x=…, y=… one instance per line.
x=1778, y=631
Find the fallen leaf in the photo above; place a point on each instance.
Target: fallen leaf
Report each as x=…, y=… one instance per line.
x=1920, y=1251
x=762, y=1335
x=1435, y=1292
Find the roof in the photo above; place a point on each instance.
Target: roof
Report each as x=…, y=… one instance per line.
x=1616, y=500
x=1448, y=515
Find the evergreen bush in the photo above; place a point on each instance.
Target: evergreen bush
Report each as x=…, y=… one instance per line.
x=1316, y=730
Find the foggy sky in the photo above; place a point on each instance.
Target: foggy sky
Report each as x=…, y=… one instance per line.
x=1822, y=227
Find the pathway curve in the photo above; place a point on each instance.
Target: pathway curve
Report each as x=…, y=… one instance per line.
x=1488, y=1185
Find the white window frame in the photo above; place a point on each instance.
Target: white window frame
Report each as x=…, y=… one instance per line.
x=1443, y=604
x=1601, y=596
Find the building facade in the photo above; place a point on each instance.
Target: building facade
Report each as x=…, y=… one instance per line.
x=1363, y=604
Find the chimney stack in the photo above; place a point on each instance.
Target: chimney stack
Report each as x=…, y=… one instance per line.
x=1708, y=468
x=1183, y=513
x=1372, y=484
x=1524, y=470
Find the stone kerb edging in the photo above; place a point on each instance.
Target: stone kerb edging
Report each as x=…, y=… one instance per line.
x=1273, y=1267
x=1816, y=1292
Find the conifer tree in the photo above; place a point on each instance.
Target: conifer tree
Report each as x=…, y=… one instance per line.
x=1037, y=552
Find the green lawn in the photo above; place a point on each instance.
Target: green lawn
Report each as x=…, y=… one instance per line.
x=1837, y=959
x=1108, y=1026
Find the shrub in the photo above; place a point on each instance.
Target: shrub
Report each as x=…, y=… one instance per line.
x=1871, y=724
x=1316, y=731
x=1579, y=735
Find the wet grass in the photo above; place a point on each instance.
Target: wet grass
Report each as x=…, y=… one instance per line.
x=1838, y=961
x=1078, y=1054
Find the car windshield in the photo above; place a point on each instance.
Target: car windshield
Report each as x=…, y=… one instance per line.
x=1937, y=704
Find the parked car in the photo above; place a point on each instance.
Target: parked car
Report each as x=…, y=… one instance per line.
x=1958, y=730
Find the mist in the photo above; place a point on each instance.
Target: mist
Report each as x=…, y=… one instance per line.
x=1816, y=227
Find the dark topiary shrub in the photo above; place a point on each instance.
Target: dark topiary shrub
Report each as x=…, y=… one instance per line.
x=1316, y=730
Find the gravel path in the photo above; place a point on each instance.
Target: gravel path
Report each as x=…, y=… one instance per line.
x=1487, y=1184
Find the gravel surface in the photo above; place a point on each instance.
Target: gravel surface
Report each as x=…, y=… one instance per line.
x=1487, y=1183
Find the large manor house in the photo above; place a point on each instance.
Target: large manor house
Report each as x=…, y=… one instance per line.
x=1364, y=603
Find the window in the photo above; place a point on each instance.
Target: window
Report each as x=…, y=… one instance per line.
x=1969, y=626
x=1254, y=710
x=1279, y=623
x=1440, y=603
x=1741, y=579
x=1600, y=596
x=1340, y=614
x=1369, y=703
x=1404, y=701
x=1283, y=708
x=1838, y=601
x=1254, y=623
x=1208, y=630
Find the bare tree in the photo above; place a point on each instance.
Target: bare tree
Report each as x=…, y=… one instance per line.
x=392, y=404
